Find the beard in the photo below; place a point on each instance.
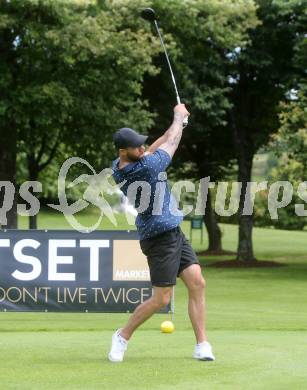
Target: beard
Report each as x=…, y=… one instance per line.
x=133, y=157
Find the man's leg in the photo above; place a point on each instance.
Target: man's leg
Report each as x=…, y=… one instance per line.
x=161, y=297
x=195, y=283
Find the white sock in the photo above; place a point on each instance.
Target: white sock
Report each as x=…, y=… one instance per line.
x=199, y=344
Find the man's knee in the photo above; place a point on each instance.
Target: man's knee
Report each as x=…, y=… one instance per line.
x=203, y=283
x=198, y=283
x=162, y=297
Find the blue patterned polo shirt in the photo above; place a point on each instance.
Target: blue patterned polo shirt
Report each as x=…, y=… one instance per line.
x=148, y=191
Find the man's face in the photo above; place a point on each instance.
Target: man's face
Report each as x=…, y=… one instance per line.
x=134, y=154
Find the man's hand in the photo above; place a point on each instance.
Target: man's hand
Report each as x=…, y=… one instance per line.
x=180, y=112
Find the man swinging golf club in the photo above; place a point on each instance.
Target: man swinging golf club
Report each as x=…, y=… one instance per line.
x=168, y=252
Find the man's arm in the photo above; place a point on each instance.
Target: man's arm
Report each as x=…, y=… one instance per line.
x=155, y=145
x=174, y=133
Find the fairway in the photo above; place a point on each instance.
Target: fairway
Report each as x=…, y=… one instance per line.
x=142, y=140
x=257, y=323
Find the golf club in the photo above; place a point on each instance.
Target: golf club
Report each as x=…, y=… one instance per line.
x=150, y=15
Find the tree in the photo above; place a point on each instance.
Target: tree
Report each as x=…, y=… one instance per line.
x=70, y=70
x=264, y=72
x=203, y=36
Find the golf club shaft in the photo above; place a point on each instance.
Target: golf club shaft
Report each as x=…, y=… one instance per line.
x=168, y=61
x=185, y=121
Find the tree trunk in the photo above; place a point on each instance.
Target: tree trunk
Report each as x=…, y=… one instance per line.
x=214, y=232
x=33, y=170
x=33, y=221
x=245, y=245
x=8, y=151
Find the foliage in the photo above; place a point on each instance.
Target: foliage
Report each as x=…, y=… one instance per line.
x=204, y=35
x=72, y=73
x=287, y=170
x=291, y=139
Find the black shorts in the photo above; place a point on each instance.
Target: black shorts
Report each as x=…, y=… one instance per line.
x=168, y=254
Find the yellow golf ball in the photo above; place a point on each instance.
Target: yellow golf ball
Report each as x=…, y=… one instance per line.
x=167, y=327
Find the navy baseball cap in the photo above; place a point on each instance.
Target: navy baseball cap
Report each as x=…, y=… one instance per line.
x=125, y=138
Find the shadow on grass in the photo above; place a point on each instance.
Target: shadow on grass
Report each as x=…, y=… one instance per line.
x=245, y=264
x=284, y=271
x=221, y=252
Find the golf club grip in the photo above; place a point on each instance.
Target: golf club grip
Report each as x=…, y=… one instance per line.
x=186, y=119
x=185, y=122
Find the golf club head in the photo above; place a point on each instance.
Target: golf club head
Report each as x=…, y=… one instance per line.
x=148, y=14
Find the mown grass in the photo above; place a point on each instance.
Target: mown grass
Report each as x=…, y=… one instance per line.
x=257, y=323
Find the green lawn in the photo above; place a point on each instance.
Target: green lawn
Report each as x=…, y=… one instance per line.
x=257, y=323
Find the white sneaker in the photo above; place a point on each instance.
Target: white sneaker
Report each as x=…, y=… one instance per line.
x=203, y=351
x=118, y=347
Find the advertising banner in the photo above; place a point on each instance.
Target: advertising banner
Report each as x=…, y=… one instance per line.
x=68, y=271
